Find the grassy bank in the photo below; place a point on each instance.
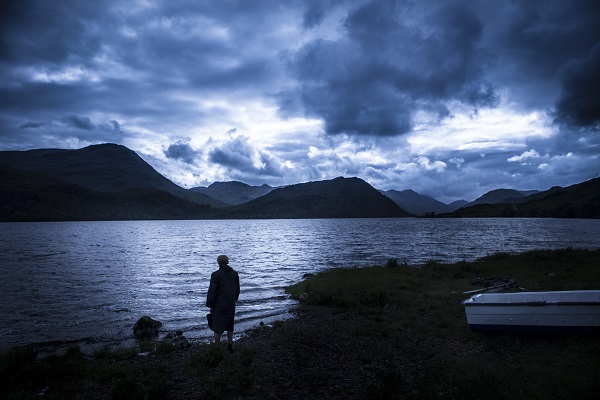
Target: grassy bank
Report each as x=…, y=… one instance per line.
x=425, y=301
x=391, y=331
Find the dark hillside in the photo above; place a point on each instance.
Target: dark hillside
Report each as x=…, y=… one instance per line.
x=337, y=198
x=577, y=201
x=417, y=203
x=102, y=168
x=503, y=196
x=32, y=196
x=234, y=192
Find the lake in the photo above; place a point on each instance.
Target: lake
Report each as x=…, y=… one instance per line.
x=91, y=281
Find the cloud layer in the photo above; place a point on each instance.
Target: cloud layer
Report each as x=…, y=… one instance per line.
x=449, y=98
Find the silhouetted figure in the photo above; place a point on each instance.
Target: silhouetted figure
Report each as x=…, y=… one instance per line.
x=223, y=292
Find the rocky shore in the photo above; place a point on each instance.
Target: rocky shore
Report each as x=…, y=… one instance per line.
x=332, y=353
x=322, y=353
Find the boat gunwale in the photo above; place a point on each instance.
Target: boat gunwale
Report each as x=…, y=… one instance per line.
x=496, y=299
x=534, y=304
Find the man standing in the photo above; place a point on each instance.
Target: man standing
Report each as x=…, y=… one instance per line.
x=223, y=292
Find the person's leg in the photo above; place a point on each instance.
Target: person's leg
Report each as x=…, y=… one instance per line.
x=217, y=339
x=230, y=341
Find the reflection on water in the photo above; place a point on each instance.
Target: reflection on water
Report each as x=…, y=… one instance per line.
x=75, y=280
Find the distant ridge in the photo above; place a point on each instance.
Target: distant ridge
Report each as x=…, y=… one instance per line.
x=102, y=168
x=33, y=196
x=111, y=182
x=419, y=204
x=234, y=192
x=337, y=198
x=581, y=200
x=503, y=196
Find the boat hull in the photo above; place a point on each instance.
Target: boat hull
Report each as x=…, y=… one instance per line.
x=534, y=312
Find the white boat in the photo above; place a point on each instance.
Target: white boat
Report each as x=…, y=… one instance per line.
x=534, y=312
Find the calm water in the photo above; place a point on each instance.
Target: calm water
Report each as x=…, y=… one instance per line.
x=92, y=280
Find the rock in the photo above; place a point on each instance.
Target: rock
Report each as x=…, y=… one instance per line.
x=307, y=275
x=551, y=275
x=146, y=328
x=181, y=341
x=177, y=338
x=43, y=392
x=303, y=297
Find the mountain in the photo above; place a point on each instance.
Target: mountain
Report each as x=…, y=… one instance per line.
x=337, y=198
x=34, y=196
x=576, y=201
x=455, y=205
x=233, y=192
x=111, y=182
x=102, y=168
x=503, y=196
x=416, y=203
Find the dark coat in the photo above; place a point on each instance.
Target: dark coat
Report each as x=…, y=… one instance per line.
x=223, y=292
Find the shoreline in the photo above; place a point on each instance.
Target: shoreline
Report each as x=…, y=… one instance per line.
x=364, y=333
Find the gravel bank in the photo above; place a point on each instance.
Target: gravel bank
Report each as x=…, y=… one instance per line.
x=322, y=353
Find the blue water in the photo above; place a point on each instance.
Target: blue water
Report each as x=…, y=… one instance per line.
x=92, y=280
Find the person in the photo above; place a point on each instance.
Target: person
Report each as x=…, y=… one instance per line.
x=223, y=292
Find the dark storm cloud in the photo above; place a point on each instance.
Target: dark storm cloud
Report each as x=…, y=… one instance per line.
x=78, y=122
x=548, y=55
x=390, y=59
x=579, y=103
x=68, y=127
x=181, y=151
x=239, y=155
x=32, y=125
x=390, y=63
x=146, y=61
x=34, y=31
x=395, y=58
x=110, y=126
x=315, y=12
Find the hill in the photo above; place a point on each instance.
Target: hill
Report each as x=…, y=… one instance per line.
x=418, y=204
x=337, y=198
x=455, y=205
x=101, y=168
x=503, y=196
x=234, y=192
x=33, y=196
x=111, y=182
x=576, y=201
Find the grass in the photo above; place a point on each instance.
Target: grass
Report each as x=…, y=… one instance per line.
x=225, y=376
x=426, y=302
x=23, y=375
x=119, y=374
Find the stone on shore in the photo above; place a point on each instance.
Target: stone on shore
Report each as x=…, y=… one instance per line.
x=178, y=339
x=303, y=297
x=146, y=328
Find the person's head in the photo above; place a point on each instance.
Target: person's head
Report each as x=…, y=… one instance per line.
x=223, y=259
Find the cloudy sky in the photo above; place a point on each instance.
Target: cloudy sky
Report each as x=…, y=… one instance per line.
x=448, y=98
